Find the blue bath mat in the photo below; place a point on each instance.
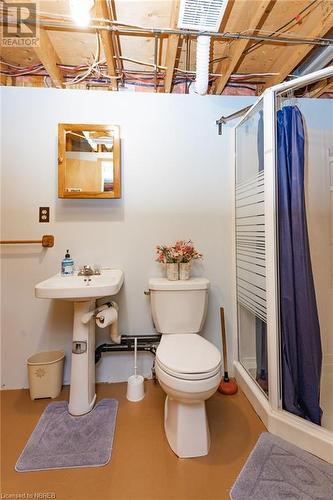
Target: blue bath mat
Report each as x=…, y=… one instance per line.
x=278, y=470
x=61, y=441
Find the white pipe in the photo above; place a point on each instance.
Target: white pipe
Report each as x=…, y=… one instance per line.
x=202, y=65
x=114, y=333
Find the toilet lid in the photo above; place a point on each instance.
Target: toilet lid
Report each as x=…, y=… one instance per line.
x=187, y=353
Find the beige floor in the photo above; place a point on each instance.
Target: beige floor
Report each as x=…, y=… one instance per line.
x=142, y=466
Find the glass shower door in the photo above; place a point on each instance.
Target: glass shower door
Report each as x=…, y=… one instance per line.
x=250, y=246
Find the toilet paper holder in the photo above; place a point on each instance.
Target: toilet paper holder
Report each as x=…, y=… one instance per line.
x=93, y=314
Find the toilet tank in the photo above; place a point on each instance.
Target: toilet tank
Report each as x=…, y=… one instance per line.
x=178, y=306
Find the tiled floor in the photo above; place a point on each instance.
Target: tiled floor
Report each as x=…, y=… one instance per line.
x=142, y=466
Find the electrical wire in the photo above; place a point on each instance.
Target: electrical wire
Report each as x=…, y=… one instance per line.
x=18, y=67
x=78, y=78
x=100, y=67
x=21, y=68
x=246, y=87
x=143, y=63
x=46, y=81
x=146, y=84
x=279, y=30
x=98, y=73
x=138, y=79
x=22, y=73
x=296, y=19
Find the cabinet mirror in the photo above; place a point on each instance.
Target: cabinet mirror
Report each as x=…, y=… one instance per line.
x=88, y=161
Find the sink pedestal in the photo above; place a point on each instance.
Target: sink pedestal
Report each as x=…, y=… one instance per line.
x=83, y=292
x=82, y=390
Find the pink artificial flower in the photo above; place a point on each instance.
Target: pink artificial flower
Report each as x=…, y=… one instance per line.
x=181, y=251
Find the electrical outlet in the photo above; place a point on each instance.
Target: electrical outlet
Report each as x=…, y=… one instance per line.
x=44, y=214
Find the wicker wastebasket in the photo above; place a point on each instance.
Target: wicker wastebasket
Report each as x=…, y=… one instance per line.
x=45, y=370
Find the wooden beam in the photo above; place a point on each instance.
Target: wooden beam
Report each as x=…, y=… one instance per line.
x=320, y=88
x=317, y=24
x=102, y=11
x=172, y=49
x=237, y=48
x=49, y=58
x=3, y=80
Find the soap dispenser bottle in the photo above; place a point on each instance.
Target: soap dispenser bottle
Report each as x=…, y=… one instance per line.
x=67, y=265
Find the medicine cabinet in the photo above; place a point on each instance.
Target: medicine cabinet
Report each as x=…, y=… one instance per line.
x=88, y=161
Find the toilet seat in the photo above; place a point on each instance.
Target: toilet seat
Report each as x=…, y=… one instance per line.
x=188, y=376
x=188, y=357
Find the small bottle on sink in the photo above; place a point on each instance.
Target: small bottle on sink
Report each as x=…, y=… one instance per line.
x=67, y=265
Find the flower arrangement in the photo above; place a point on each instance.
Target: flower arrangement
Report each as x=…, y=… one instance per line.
x=181, y=251
x=166, y=254
x=187, y=251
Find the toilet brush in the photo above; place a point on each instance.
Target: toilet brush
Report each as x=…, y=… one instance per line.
x=227, y=385
x=135, y=383
x=135, y=356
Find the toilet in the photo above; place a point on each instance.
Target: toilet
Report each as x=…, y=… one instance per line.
x=188, y=367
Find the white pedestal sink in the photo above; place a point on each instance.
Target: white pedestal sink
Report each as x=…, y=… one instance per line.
x=83, y=291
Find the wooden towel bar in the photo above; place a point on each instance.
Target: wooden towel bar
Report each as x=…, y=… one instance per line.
x=47, y=241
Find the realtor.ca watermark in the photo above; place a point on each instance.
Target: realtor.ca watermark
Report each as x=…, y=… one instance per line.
x=35, y=495
x=20, y=27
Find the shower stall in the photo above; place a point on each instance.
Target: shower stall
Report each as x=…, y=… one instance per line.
x=283, y=248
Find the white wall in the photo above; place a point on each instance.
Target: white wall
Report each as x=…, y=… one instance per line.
x=176, y=176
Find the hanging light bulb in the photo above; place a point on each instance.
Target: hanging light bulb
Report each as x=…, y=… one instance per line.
x=80, y=11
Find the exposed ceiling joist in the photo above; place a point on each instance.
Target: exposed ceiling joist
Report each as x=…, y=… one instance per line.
x=236, y=50
x=102, y=11
x=316, y=25
x=172, y=49
x=49, y=58
x=320, y=88
x=262, y=41
x=3, y=80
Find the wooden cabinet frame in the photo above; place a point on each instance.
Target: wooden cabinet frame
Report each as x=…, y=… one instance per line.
x=112, y=130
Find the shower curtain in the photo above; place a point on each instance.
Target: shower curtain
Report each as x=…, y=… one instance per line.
x=300, y=330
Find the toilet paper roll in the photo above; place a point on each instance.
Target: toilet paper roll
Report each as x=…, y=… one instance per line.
x=87, y=316
x=106, y=317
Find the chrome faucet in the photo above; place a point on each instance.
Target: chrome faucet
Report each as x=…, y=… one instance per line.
x=88, y=271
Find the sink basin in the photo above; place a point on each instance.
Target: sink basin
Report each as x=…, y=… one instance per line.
x=81, y=288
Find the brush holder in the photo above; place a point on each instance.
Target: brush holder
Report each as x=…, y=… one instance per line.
x=135, y=388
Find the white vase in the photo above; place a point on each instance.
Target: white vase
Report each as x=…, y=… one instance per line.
x=184, y=270
x=172, y=271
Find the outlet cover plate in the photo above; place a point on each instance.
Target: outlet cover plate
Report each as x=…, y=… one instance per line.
x=44, y=214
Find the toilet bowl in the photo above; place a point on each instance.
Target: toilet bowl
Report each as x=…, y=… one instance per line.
x=188, y=367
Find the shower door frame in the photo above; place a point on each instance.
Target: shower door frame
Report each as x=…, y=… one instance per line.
x=297, y=430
